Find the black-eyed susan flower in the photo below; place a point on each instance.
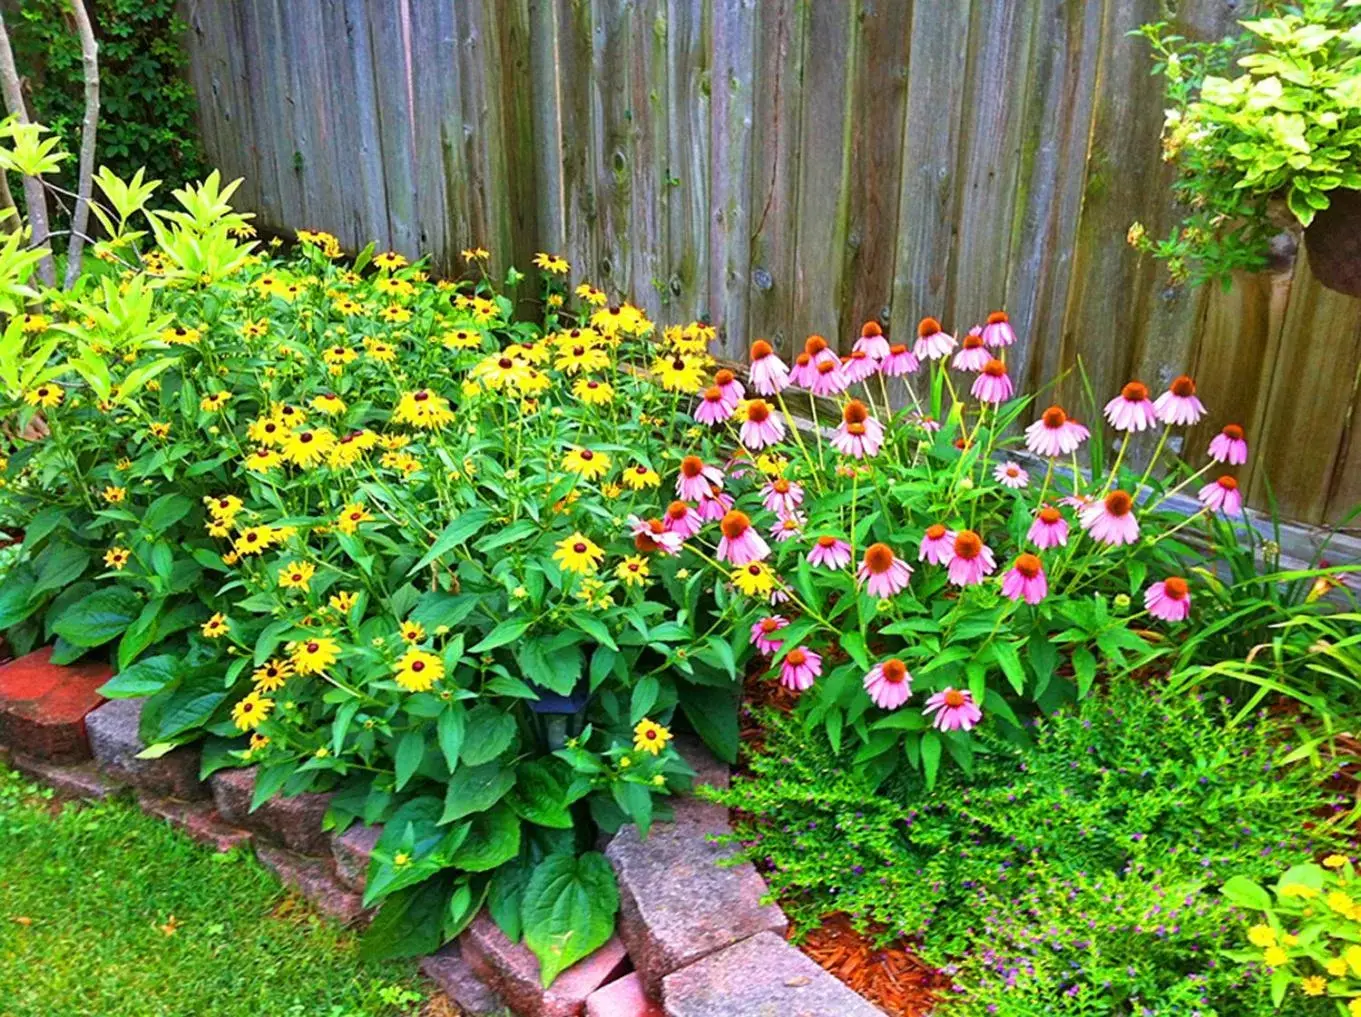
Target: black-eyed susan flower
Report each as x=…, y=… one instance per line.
x=114, y=495
x=424, y=409
x=271, y=676
x=412, y=631
x=255, y=329
x=417, y=671
x=251, y=712
x=638, y=476
x=472, y=254
x=351, y=516
x=389, y=261
x=384, y=353
x=159, y=429
x=578, y=554
x=462, y=339
x=339, y=356
x=329, y=403
x=592, y=392
x=395, y=314
x=551, y=263
x=297, y=575
x=117, y=557
x=592, y=296
x=309, y=446
x=312, y=656
x=264, y=459
x=255, y=539
x=678, y=374
x=586, y=463
x=220, y=528
x=633, y=570
x=610, y=490
x=497, y=372
x=34, y=323
x=223, y=506
x=347, y=306
x=579, y=358
x=48, y=395
x=181, y=335
x=343, y=601
x=214, y=402
x=215, y=627
x=267, y=431
x=533, y=382
x=755, y=579
x=649, y=736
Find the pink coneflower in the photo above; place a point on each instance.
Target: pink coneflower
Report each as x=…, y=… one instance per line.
x=651, y=535
x=970, y=559
x=1055, y=434
x=889, y=684
x=788, y=527
x=804, y=371
x=760, y=426
x=799, y=668
x=1049, y=529
x=1077, y=501
x=998, y=331
x=830, y=553
x=927, y=423
x=1168, y=599
x=859, y=435
x=883, y=573
x=993, y=385
x=932, y=342
x=740, y=543
x=972, y=355
x=768, y=373
x=1131, y=409
x=781, y=496
x=817, y=348
x=857, y=366
x=872, y=342
x=763, y=633
x=714, y=505
x=955, y=710
x=1222, y=496
x=1229, y=446
x=828, y=378
x=900, y=361
x=696, y=478
x=681, y=518
x=1025, y=580
x=1011, y=475
x=938, y=545
x=713, y=408
x=1111, y=520
x=733, y=392
x=1179, y=405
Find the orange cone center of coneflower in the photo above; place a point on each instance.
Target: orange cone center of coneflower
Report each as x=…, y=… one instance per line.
x=994, y=369
x=1118, y=503
x=796, y=658
x=1134, y=392
x=781, y=486
x=1175, y=587
x=803, y=360
x=814, y=345
x=968, y=545
x=871, y=328
x=954, y=699
x=826, y=541
x=1228, y=483
x=857, y=429
x=791, y=524
x=997, y=317
x=724, y=377
x=757, y=411
x=1233, y=431
x=761, y=349
x=894, y=670
x=879, y=558
x=769, y=625
x=313, y=647
x=972, y=342
x=827, y=367
x=579, y=547
x=735, y=524
x=935, y=531
x=505, y=363
x=1028, y=565
x=692, y=466
x=1054, y=418
x=656, y=526
x=858, y=355
x=1183, y=386
x=1050, y=515
x=713, y=394
x=897, y=349
x=855, y=412
x=927, y=326
x=677, y=510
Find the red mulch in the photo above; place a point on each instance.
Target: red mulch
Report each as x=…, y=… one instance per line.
x=891, y=977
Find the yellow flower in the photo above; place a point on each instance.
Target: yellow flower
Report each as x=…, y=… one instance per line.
x=462, y=339
x=592, y=392
x=1354, y=1007
x=754, y=579
x=255, y=539
x=625, y=762
x=649, y=736
x=496, y=372
x=347, y=307
x=380, y=351
x=592, y=296
x=423, y=409
x=531, y=382
x=329, y=404
x=1298, y=890
x=215, y=627
x=555, y=300
x=633, y=570
x=35, y=323
x=1336, y=967
x=393, y=313
x=45, y=395
x=257, y=742
x=267, y=431
x=412, y=631
x=1335, y=861
x=389, y=261
x=264, y=459
x=297, y=575
x=223, y=506
x=471, y=254
x=579, y=358
x=159, y=429
x=338, y=356
x=1339, y=902
x=610, y=490
x=255, y=329
x=551, y=263
x=638, y=477
x=678, y=374
x=1275, y=956
x=213, y=403
x=313, y=655
x=343, y=601
x=586, y=463
x=180, y=336
x=309, y=447
x=1314, y=985
x=579, y=554
x=270, y=677
x=417, y=671
x=114, y=495
x=350, y=518
x=251, y=712
x=1262, y=936
x=117, y=557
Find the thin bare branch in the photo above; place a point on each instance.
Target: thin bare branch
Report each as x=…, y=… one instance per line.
x=89, y=126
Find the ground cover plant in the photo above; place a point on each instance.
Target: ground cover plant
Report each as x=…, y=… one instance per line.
x=163, y=926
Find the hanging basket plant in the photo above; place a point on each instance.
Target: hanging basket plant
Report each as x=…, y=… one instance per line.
x=1266, y=119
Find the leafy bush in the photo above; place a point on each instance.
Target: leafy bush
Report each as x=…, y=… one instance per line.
x=1075, y=873
x=1287, y=128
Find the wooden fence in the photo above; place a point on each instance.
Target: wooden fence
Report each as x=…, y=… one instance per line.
x=784, y=167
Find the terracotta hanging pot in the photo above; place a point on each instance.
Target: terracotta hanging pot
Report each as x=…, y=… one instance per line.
x=1334, y=243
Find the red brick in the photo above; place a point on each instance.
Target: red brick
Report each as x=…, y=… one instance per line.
x=43, y=706
x=452, y=976
x=512, y=970
x=293, y=822
x=115, y=743
x=624, y=998
x=315, y=880
x=199, y=820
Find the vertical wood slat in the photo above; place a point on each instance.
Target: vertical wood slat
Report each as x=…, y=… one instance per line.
x=580, y=149
x=687, y=144
x=649, y=94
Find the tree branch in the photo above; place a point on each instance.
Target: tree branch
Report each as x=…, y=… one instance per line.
x=34, y=197
x=89, y=126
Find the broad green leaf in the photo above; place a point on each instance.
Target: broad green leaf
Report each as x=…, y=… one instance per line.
x=166, y=511
x=540, y=797
x=474, y=789
x=409, y=922
x=493, y=840
x=460, y=531
x=144, y=678
x=568, y=911
x=407, y=758
x=506, y=632
x=98, y=617
x=489, y=733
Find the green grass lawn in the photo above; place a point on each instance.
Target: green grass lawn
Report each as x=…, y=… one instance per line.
x=106, y=912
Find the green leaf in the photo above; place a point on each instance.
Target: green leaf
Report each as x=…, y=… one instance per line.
x=189, y=705
x=410, y=752
x=1246, y=894
x=59, y=566
x=98, y=617
x=475, y=789
x=493, y=840
x=1010, y=662
x=931, y=747
x=505, y=895
x=712, y=712
x=540, y=797
x=450, y=729
x=409, y=922
x=568, y=911
x=489, y=733
x=506, y=632
x=460, y=531
x=166, y=511
x=16, y=597
x=1084, y=666
x=644, y=696
x=145, y=678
